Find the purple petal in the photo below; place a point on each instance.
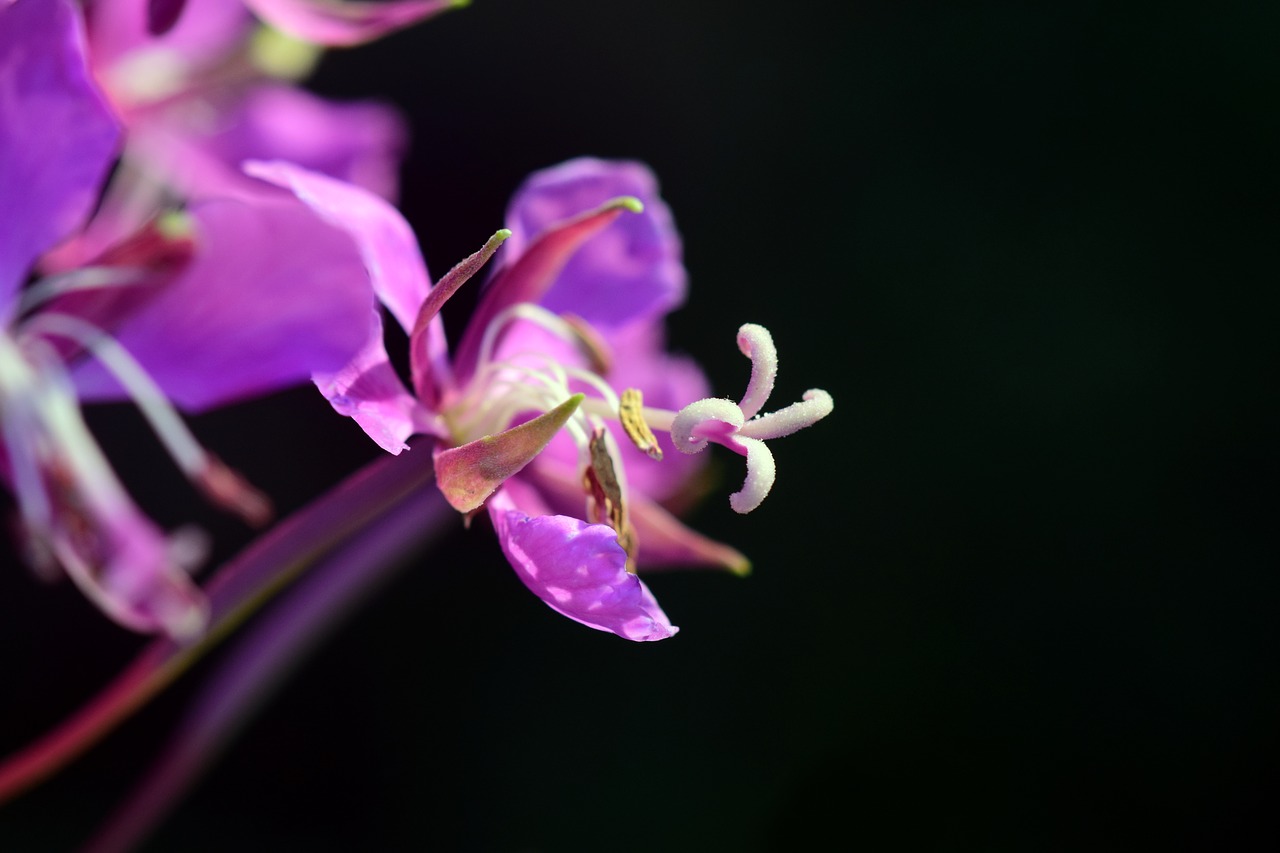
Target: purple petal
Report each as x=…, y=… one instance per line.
x=338, y=23
x=58, y=137
x=578, y=569
x=360, y=143
x=122, y=30
x=387, y=243
x=630, y=272
x=527, y=278
x=272, y=296
x=369, y=391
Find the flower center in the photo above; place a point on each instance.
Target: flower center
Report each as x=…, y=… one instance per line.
x=531, y=360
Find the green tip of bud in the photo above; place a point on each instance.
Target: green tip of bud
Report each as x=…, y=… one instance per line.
x=459, y=4
x=491, y=245
x=627, y=202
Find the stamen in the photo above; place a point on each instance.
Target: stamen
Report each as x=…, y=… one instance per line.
x=592, y=345
x=630, y=412
x=219, y=483
x=535, y=314
x=85, y=278
x=604, y=491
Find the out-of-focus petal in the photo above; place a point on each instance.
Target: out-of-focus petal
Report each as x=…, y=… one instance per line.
x=360, y=143
x=369, y=392
x=578, y=569
x=630, y=272
x=139, y=586
x=341, y=23
x=119, y=30
x=387, y=243
x=57, y=139
x=273, y=295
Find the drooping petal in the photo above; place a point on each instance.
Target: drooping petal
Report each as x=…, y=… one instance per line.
x=75, y=513
x=578, y=569
x=138, y=585
x=369, y=391
x=342, y=23
x=469, y=474
x=387, y=243
x=273, y=295
x=58, y=137
x=632, y=271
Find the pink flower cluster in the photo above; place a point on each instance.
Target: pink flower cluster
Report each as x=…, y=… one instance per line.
x=186, y=227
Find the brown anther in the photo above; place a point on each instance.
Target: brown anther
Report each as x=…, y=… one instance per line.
x=605, y=504
x=631, y=413
x=591, y=344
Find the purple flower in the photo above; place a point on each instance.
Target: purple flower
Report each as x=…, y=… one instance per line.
x=247, y=295
x=553, y=410
x=214, y=88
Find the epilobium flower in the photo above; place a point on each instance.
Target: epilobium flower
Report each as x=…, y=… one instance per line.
x=552, y=412
x=201, y=87
x=250, y=299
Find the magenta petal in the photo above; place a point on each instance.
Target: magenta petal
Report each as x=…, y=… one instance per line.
x=360, y=142
x=57, y=139
x=341, y=23
x=386, y=241
x=370, y=393
x=579, y=570
x=632, y=270
x=272, y=296
x=121, y=30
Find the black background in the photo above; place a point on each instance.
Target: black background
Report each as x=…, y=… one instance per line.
x=1017, y=593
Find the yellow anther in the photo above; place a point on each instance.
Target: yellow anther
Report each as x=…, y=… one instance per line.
x=630, y=412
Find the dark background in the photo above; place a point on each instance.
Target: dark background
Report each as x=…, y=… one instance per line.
x=1017, y=593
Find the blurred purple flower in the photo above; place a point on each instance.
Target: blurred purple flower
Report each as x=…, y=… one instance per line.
x=564, y=353
x=249, y=295
x=215, y=88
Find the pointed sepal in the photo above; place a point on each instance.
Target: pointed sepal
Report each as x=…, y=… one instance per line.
x=469, y=474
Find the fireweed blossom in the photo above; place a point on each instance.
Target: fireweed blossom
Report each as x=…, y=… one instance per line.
x=559, y=408
x=201, y=86
x=187, y=319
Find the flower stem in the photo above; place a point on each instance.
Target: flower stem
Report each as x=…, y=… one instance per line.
x=240, y=588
